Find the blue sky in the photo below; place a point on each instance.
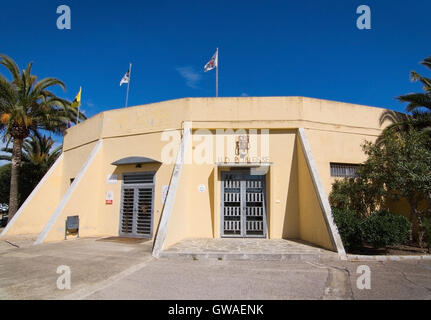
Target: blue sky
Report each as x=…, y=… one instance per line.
x=267, y=48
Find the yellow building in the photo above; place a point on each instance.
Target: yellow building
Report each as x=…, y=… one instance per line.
x=203, y=168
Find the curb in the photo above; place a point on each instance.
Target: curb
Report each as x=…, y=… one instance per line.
x=249, y=256
x=353, y=258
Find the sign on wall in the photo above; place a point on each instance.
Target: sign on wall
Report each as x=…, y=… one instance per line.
x=110, y=198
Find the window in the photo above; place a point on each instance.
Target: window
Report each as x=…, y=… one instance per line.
x=139, y=178
x=341, y=170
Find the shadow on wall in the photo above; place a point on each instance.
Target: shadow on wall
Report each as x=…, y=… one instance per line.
x=291, y=218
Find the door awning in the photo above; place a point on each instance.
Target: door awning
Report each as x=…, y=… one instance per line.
x=134, y=160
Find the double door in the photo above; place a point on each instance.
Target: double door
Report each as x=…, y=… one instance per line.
x=137, y=206
x=243, y=206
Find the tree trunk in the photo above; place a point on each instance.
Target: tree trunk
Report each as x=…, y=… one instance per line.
x=14, y=177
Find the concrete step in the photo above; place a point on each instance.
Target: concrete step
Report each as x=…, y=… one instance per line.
x=288, y=256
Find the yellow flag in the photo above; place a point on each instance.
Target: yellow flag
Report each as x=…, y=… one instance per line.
x=77, y=102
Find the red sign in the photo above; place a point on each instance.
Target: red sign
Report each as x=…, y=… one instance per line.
x=109, y=198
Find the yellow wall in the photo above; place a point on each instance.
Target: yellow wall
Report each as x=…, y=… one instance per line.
x=336, y=147
x=42, y=202
x=147, y=145
x=283, y=182
x=85, y=202
x=73, y=162
x=247, y=112
x=312, y=225
x=202, y=212
x=88, y=200
x=84, y=133
x=180, y=221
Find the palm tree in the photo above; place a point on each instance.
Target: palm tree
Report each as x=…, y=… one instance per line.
x=403, y=122
x=418, y=109
x=26, y=106
x=37, y=150
x=39, y=154
x=419, y=101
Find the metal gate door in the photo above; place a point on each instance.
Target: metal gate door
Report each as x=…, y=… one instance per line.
x=243, y=205
x=137, y=205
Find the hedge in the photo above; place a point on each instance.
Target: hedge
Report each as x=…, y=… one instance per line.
x=380, y=229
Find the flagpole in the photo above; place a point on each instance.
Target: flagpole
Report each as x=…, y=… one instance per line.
x=79, y=105
x=217, y=75
x=128, y=85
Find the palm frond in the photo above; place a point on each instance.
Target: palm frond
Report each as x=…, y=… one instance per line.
x=30, y=105
x=427, y=62
x=46, y=83
x=393, y=117
x=37, y=149
x=401, y=122
x=11, y=66
x=416, y=101
x=425, y=81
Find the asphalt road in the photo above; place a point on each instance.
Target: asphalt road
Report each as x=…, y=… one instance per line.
x=218, y=280
x=104, y=270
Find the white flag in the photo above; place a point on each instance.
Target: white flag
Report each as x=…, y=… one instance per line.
x=126, y=78
x=213, y=63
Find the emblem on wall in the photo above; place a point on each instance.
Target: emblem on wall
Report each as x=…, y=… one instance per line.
x=242, y=146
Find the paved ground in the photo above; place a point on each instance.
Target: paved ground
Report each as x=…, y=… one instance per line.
x=196, y=280
x=109, y=270
x=246, y=249
x=30, y=272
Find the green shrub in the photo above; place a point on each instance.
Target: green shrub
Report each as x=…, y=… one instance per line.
x=348, y=224
x=385, y=229
x=356, y=194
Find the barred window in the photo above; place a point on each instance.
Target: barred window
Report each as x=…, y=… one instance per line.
x=139, y=178
x=341, y=170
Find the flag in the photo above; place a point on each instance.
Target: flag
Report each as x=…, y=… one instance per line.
x=77, y=102
x=126, y=78
x=213, y=63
